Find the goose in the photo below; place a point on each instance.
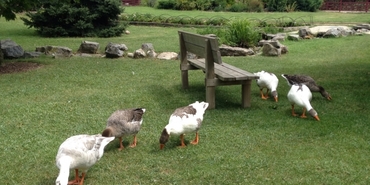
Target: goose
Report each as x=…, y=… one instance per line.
x=300, y=94
x=270, y=82
x=79, y=152
x=184, y=120
x=308, y=81
x=124, y=123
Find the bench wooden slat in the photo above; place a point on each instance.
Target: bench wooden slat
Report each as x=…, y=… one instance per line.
x=224, y=71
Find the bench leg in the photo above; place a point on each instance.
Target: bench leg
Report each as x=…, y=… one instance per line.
x=210, y=95
x=184, y=79
x=246, y=94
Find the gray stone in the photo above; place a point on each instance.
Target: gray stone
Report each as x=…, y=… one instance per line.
x=140, y=53
x=305, y=32
x=294, y=37
x=56, y=51
x=11, y=50
x=235, y=51
x=167, y=56
x=115, y=50
x=88, y=47
x=269, y=50
x=32, y=54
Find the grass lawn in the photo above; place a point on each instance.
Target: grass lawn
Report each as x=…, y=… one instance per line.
x=256, y=145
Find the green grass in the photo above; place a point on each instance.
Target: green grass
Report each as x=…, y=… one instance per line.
x=257, y=145
x=320, y=17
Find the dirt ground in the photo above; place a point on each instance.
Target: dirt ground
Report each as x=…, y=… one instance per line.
x=16, y=67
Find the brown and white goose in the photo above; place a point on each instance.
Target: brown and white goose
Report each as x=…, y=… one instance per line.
x=124, y=123
x=300, y=95
x=184, y=120
x=308, y=81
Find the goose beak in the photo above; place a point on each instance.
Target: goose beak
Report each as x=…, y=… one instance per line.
x=161, y=146
x=329, y=97
x=276, y=99
x=317, y=118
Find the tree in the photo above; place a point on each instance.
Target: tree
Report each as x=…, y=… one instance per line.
x=77, y=18
x=9, y=8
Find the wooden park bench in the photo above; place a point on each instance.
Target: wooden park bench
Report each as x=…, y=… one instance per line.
x=217, y=73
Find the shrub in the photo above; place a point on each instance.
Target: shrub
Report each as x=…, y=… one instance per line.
x=185, y=5
x=170, y=4
x=291, y=7
x=242, y=33
x=238, y=7
x=276, y=5
x=255, y=6
x=309, y=5
x=84, y=18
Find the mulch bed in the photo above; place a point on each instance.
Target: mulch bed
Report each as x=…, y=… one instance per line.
x=16, y=67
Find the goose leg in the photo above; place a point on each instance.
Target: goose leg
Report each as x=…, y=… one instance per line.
x=293, y=113
x=120, y=144
x=262, y=94
x=196, y=140
x=77, y=179
x=82, y=179
x=304, y=113
x=134, y=142
x=267, y=93
x=182, y=141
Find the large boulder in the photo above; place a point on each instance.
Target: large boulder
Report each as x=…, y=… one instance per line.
x=11, y=50
x=167, y=56
x=273, y=48
x=146, y=50
x=56, y=51
x=115, y=50
x=88, y=47
x=235, y=51
x=269, y=50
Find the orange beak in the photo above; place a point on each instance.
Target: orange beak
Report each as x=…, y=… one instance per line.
x=161, y=146
x=276, y=99
x=317, y=118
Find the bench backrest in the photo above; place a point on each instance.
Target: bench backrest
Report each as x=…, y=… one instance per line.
x=200, y=45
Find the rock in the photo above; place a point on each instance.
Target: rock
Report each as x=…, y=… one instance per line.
x=294, y=37
x=305, y=33
x=168, y=56
x=146, y=50
x=115, y=50
x=147, y=47
x=88, y=47
x=235, y=51
x=11, y=50
x=140, y=53
x=32, y=54
x=269, y=50
x=56, y=51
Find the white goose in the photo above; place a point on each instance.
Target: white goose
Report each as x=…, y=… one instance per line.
x=124, y=123
x=184, y=120
x=79, y=152
x=300, y=94
x=270, y=82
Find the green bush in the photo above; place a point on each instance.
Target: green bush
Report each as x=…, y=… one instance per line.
x=166, y=4
x=301, y=5
x=238, y=7
x=242, y=33
x=276, y=5
x=238, y=33
x=309, y=5
x=85, y=18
